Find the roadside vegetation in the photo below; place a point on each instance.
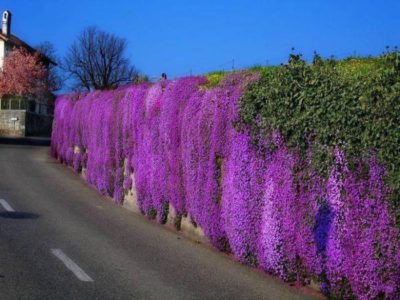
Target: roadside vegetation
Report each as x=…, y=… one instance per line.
x=293, y=169
x=353, y=104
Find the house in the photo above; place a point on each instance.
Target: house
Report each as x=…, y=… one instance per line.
x=21, y=116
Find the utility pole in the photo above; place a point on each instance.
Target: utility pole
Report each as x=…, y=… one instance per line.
x=233, y=64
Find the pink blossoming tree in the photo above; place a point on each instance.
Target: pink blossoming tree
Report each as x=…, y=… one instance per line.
x=23, y=74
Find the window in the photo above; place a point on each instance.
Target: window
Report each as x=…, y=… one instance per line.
x=43, y=109
x=14, y=103
x=32, y=106
x=5, y=103
x=22, y=104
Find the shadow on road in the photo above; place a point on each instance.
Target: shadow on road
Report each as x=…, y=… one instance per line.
x=31, y=141
x=17, y=215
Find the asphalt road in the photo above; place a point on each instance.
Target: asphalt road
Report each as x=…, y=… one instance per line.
x=60, y=240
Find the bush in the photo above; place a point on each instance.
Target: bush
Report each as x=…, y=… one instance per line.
x=214, y=78
x=352, y=103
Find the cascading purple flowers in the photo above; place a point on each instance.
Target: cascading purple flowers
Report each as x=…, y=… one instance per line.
x=363, y=246
x=244, y=175
x=262, y=202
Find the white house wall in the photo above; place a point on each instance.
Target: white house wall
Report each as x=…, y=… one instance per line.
x=2, y=52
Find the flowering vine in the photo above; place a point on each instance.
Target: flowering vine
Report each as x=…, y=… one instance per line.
x=262, y=202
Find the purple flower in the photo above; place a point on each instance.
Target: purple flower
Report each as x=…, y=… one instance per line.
x=269, y=208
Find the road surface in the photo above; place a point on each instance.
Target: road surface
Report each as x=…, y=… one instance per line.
x=60, y=240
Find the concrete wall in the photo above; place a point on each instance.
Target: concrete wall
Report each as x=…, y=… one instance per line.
x=27, y=124
x=9, y=127
x=183, y=224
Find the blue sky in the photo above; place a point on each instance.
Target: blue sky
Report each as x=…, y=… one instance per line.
x=180, y=37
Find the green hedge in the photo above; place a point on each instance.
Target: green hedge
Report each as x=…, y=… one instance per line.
x=353, y=103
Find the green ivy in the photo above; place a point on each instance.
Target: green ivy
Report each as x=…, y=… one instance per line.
x=353, y=103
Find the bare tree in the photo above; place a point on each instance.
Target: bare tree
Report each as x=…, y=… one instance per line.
x=55, y=76
x=97, y=61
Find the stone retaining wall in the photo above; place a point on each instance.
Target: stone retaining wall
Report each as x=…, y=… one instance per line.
x=19, y=123
x=12, y=123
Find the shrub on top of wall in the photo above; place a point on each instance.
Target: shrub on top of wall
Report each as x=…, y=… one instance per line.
x=353, y=104
x=256, y=189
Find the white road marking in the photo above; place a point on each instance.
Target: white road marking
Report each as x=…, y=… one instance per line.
x=5, y=205
x=71, y=265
